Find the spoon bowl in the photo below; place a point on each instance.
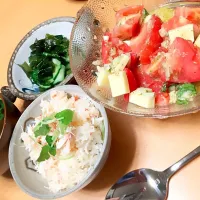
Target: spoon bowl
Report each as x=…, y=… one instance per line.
x=147, y=184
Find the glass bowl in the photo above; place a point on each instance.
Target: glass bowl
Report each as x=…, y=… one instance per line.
x=92, y=21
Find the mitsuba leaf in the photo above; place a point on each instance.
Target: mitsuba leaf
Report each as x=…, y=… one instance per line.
x=41, y=129
x=44, y=154
x=65, y=116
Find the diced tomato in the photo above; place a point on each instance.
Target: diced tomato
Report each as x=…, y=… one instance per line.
x=156, y=65
x=148, y=40
x=145, y=80
x=133, y=62
x=162, y=99
x=132, y=82
x=156, y=86
x=192, y=14
x=112, y=47
x=183, y=62
x=160, y=50
x=175, y=22
x=128, y=22
x=129, y=11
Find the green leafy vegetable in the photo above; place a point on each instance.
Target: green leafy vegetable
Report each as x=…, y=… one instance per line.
x=27, y=69
x=49, y=140
x=63, y=119
x=65, y=116
x=52, y=151
x=1, y=110
x=164, y=87
x=145, y=12
x=41, y=129
x=48, y=62
x=44, y=154
x=185, y=93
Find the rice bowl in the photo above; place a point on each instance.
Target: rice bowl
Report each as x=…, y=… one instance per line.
x=80, y=153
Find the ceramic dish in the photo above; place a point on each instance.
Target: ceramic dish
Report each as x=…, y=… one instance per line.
x=93, y=20
x=11, y=115
x=19, y=84
x=22, y=168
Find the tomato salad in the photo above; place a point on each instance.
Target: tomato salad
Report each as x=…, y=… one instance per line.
x=152, y=58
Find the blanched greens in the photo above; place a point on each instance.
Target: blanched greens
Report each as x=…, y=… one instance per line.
x=1, y=110
x=49, y=61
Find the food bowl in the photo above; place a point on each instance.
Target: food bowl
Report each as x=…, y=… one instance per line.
x=21, y=167
x=93, y=20
x=11, y=115
x=19, y=84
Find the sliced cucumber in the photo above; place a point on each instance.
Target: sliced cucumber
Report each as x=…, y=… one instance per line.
x=44, y=86
x=61, y=75
x=164, y=13
x=58, y=66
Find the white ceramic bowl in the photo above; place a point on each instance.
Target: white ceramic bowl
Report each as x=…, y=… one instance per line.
x=19, y=84
x=22, y=170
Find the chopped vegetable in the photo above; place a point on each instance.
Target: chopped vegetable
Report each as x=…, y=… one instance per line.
x=48, y=62
x=185, y=93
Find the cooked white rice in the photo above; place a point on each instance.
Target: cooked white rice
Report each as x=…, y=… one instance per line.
x=77, y=150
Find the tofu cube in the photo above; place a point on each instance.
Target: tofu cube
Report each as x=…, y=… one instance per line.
x=143, y=97
x=186, y=32
x=102, y=78
x=119, y=84
x=120, y=62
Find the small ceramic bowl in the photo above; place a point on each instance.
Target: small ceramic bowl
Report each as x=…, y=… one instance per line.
x=19, y=84
x=11, y=115
x=22, y=168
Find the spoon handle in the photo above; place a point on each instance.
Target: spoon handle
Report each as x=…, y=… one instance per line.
x=181, y=163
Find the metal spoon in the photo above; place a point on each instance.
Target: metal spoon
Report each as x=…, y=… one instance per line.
x=147, y=184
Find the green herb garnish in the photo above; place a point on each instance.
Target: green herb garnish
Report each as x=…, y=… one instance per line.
x=65, y=116
x=63, y=119
x=44, y=154
x=41, y=129
x=1, y=110
x=164, y=87
x=48, y=62
x=185, y=93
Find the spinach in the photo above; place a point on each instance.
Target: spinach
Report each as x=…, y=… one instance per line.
x=48, y=56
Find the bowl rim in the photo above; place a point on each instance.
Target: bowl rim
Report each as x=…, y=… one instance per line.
x=170, y=4
x=92, y=172
x=10, y=81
